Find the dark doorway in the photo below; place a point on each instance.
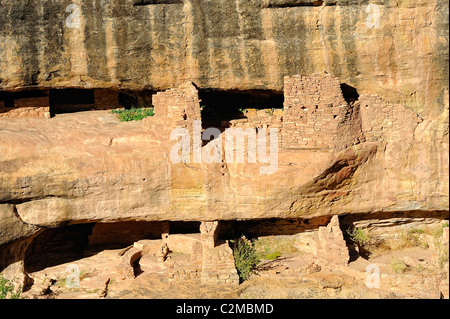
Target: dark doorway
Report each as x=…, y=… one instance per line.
x=9, y=97
x=57, y=246
x=350, y=93
x=220, y=106
x=71, y=100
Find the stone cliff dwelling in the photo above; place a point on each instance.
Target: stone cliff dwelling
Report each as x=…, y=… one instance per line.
x=354, y=202
x=315, y=113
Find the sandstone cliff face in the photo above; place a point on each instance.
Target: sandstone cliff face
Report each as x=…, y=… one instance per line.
x=397, y=49
x=384, y=153
x=90, y=167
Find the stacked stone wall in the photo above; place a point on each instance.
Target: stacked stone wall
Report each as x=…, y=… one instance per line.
x=314, y=108
x=385, y=121
x=218, y=265
x=177, y=107
x=27, y=107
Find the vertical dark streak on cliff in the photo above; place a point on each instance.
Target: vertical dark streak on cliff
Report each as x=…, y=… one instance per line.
x=181, y=62
x=95, y=41
x=220, y=35
x=441, y=56
x=25, y=27
x=165, y=41
x=239, y=58
x=198, y=50
x=330, y=41
x=53, y=38
x=291, y=61
x=349, y=44
x=121, y=38
x=251, y=29
x=148, y=44
x=141, y=46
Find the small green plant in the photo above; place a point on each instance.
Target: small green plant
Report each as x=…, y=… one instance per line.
x=412, y=239
x=415, y=231
x=442, y=250
x=84, y=274
x=245, y=257
x=7, y=289
x=272, y=256
x=359, y=236
x=398, y=266
x=134, y=114
x=442, y=255
x=268, y=253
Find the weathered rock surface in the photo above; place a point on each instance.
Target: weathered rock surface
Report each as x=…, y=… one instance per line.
x=382, y=154
x=90, y=167
x=397, y=49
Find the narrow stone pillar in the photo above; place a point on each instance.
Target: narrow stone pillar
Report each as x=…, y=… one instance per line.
x=332, y=251
x=208, y=232
x=164, y=248
x=217, y=261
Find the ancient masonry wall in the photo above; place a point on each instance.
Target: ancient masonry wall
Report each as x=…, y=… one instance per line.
x=218, y=265
x=314, y=108
x=384, y=121
x=328, y=245
x=211, y=260
x=315, y=115
x=177, y=107
x=266, y=118
x=27, y=107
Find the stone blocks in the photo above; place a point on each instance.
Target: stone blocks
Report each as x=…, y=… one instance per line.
x=27, y=107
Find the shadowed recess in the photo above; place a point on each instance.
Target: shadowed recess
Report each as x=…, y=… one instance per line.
x=293, y=3
x=152, y=2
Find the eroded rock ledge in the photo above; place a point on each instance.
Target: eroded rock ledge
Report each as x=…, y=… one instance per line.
x=336, y=157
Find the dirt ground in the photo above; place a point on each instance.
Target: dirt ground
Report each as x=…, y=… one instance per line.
x=293, y=275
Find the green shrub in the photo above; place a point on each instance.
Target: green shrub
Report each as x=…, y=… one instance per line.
x=442, y=250
x=272, y=247
x=266, y=252
x=272, y=256
x=359, y=236
x=442, y=255
x=412, y=236
x=134, y=114
x=399, y=266
x=7, y=289
x=245, y=257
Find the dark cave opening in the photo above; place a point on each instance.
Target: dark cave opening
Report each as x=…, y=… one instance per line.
x=350, y=93
x=55, y=246
x=71, y=100
x=136, y=99
x=79, y=100
x=222, y=106
x=9, y=98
